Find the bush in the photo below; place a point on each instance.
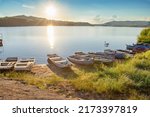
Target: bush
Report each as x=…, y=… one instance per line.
x=144, y=36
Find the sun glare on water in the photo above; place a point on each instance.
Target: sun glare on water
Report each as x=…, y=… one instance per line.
x=51, y=13
x=51, y=36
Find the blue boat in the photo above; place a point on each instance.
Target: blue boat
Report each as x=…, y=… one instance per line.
x=140, y=48
x=130, y=47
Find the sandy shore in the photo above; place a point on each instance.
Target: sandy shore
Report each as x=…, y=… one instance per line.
x=41, y=70
x=10, y=89
x=17, y=90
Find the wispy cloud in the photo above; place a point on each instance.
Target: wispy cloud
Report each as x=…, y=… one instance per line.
x=97, y=19
x=28, y=6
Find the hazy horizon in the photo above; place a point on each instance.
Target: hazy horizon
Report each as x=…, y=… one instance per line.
x=92, y=11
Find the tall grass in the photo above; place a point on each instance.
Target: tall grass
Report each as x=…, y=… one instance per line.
x=128, y=77
x=31, y=79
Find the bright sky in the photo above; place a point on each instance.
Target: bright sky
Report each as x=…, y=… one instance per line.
x=93, y=11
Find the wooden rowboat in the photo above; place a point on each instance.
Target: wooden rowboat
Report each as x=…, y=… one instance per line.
x=103, y=60
x=6, y=66
x=23, y=66
x=58, y=61
x=81, y=60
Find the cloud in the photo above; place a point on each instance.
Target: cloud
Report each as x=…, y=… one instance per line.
x=97, y=19
x=28, y=6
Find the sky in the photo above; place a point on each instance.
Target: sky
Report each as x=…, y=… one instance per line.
x=93, y=11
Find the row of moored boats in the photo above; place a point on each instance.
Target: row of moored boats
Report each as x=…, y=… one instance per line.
x=139, y=47
x=13, y=63
x=81, y=58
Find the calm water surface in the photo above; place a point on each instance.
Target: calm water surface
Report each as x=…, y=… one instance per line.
x=37, y=42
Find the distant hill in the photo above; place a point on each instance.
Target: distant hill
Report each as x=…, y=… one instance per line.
x=127, y=24
x=23, y=20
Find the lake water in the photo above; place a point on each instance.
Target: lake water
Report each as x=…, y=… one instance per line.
x=37, y=42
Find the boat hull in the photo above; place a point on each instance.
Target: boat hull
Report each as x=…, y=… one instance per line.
x=81, y=62
x=58, y=61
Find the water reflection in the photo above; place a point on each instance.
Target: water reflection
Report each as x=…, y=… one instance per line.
x=51, y=36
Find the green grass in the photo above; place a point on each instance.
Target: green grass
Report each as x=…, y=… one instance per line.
x=121, y=80
x=31, y=79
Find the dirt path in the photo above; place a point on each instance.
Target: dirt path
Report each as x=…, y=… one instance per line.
x=14, y=90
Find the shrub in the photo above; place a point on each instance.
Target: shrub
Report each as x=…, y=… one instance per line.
x=144, y=36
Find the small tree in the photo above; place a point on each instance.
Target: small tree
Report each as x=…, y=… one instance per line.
x=144, y=36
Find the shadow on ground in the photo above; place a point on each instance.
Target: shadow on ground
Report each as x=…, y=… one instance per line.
x=66, y=73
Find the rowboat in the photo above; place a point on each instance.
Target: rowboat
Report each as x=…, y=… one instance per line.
x=58, y=61
x=147, y=45
x=103, y=59
x=130, y=47
x=96, y=54
x=81, y=60
x=120, y=55
x=109, y=51
x=126, y=53
x=82, y=54
x=23, y=66
x=140, y=48
x=6, y=65
x=31, y=60
x=105, y=55
x=11, y=59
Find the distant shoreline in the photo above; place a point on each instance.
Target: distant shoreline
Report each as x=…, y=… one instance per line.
x=22, y=21
x=77, y=26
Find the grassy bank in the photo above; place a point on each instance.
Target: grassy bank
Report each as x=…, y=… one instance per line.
x=122, y=80
x=130, y=79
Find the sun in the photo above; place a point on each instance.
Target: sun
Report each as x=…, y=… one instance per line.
x=51, y=11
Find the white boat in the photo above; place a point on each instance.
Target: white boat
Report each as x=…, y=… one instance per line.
x=58, y=61
x=11, y=59
x=6, y=65
x=103, y=60
x=98, y=55
x=126, y=53
x=82, y=54
x=31, y=60
x=119, y=54
x=79, y=53
x=81, y=60
x=109, y=51
x=23, y=66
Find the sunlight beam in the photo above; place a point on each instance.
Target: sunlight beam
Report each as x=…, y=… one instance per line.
x=50, y=36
